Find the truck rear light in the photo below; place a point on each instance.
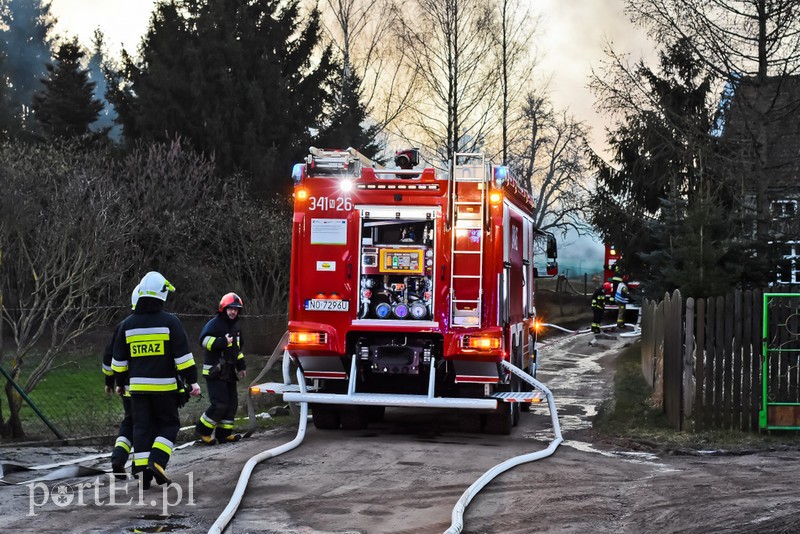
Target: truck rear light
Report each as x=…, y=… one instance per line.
x=308, y=338
x=481, y=343
x=495, y=197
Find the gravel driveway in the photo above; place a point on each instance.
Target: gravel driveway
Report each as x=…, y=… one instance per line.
x=404, y=475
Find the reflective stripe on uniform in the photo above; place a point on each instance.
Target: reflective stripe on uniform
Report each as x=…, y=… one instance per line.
x=226, y=424
x=210, y=423
x=119, y=366
x=123, y=443
x=107, y=370
x=206, y=369
x=156, y=330
x=140, y=383
x=141, y=458
x=182, y=362
x=208, y=341
x=240, y=357
x=163, y=444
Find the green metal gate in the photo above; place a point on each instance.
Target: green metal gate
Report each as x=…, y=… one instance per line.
x=780, y=362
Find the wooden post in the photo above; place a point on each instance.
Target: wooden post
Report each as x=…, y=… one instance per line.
x=711, y=321
x=719, y=359
x=748, y=361
x=699, y=369
x=689, y=356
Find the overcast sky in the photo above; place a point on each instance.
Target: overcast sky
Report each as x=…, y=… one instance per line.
x=570, y=42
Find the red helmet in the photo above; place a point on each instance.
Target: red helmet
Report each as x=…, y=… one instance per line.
x=607, y=287
x=230, y=300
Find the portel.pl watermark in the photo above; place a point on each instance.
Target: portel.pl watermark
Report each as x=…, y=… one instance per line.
x=108, y=491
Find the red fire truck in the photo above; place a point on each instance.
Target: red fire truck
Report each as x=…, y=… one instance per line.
x=408, y=287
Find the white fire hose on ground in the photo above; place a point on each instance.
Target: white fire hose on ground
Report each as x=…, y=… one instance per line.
x=238, y=493
x=457, y=517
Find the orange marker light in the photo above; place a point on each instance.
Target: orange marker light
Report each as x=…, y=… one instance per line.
x=483, y=343
x=495, y=198
x=301, y=194
x=306, y=338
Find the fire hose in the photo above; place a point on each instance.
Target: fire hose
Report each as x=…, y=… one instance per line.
x=457, y=517
x=238, y=492
x=458, y=511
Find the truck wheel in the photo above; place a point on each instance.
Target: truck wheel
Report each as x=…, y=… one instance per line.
x=325, y=417
x=354, y=418
x=501, y=420
x=376, y=413
x=470, y=421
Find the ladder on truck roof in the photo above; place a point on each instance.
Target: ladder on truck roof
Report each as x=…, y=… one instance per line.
x=467, y=200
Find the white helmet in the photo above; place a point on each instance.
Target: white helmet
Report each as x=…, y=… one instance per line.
x=135, y=297
x=154, y=285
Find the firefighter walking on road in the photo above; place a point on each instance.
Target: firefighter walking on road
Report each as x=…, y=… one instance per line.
x=151, y=353
x=123, y=444
x=599, y=305
x=224, y=364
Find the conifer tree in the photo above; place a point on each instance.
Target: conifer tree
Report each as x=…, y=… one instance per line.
x=243, y=80
x=25, y=27
x=347, y=123
x=66, y=106
x=105, y=121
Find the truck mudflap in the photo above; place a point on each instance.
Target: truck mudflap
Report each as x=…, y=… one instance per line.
x=302, y=393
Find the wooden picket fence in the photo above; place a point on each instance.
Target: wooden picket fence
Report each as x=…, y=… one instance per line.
x=703, y=359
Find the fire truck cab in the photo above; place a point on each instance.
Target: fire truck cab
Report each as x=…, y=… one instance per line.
x=408, y=287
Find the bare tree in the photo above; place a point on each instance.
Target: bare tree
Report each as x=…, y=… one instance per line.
x=753, y=45
x=550, y=162
x=448, y=43
x=515, y=31
x=362, y=31
x=174, y=191
x=746, y=38
x=63, y=233
x=257, y=241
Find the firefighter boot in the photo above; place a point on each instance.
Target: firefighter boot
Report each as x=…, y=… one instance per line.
x=206, y=440
x=158, y=473
x=146, y=477
x=232, y=438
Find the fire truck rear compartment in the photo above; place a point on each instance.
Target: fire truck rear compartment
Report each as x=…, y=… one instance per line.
x=394, y=363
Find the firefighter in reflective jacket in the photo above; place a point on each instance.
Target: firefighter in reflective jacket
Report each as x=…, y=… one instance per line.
x=123, y=444
x=621, y=297
x=151, y=354
x=224, y=364
x=599, y=305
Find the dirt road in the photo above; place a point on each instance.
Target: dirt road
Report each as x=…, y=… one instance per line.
x=404, y=476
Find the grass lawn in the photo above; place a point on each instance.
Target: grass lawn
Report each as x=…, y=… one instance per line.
x=629, y=417
x=72, y=398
